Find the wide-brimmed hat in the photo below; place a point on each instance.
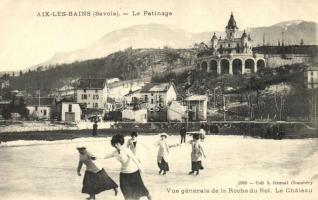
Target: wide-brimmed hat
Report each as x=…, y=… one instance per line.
x=163, y=134
x=80, y=146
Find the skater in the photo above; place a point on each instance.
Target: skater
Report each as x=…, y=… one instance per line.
x=95, y=126
x=131, y=183
x=196, y=155
x=202, y=133
x=95, y=179
x=163, y=153
x=132, y=142
x=183, y=133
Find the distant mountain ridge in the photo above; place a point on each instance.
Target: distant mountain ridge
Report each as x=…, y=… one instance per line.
x=158, y=36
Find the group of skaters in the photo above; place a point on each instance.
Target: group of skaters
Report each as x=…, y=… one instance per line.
x=96, y=179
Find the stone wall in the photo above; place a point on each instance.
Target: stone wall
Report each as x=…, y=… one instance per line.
x=254, y=129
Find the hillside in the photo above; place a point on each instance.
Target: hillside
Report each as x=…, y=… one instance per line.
x=158, y=36
x=127, y=64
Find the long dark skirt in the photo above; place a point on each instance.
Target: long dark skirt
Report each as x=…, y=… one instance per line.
x=132, y=186
x=163, y=165
x=94, y=183
x=196, y=165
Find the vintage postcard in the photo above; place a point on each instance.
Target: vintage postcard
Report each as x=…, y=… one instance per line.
x=159, y=100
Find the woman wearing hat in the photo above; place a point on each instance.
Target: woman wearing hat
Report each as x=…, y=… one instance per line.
x=95, y=179
x=131, y=183
x=163, y=153
x=196, y=154
x=162, y=156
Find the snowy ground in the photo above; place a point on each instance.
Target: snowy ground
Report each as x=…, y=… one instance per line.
x=47, y=170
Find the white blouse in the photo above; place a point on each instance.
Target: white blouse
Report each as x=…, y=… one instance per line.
x=129, y=162
x=163, y=151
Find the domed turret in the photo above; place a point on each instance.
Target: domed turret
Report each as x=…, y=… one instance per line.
x=214, y=41
x=214, y=37
x=244, y=35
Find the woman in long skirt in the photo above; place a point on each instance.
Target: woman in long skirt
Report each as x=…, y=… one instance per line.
x=95, y=179
x=131, y=183
x=196, y=155
x=162, y=156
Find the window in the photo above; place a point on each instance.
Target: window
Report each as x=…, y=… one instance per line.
x=151, y=94
x=85, y=105
x=84, y=90
x=95, y=105
x=84, y=96
x=160, y=99
x=221, y=46
x=96, y=91
x=36, y=108
x=44, y=112
x=146, y=98
x=95, y=96
x=229, y=45
x=312, y=73
x=70, y=108
x=151, y=100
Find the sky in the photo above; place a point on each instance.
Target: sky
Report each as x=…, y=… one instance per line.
x=27, y=39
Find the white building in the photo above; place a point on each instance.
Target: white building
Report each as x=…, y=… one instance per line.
x=132, y=97
x=197, y=107
x=312, y=77
x=230, y=55
x=71, y=112
x=40, y=108
x=158, y=95
x=118, y=89
x=139, y=116
x=92, y=93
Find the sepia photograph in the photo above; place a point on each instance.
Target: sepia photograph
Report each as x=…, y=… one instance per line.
x=158, y=100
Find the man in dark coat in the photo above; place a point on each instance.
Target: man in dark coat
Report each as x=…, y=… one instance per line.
x=183, y=133
x=95, y=126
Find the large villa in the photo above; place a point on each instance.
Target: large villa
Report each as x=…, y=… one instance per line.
x=231, y=55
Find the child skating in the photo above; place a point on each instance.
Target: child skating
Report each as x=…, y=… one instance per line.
x=95, y=179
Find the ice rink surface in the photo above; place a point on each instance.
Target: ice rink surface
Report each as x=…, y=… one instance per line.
x=47, y=170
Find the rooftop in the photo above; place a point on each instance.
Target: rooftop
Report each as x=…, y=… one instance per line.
x=156, y=87
x=42, y=101
x=232, y=23
x=196, y=98
x=313, y=67
x=92, y=83
x=133, y=92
